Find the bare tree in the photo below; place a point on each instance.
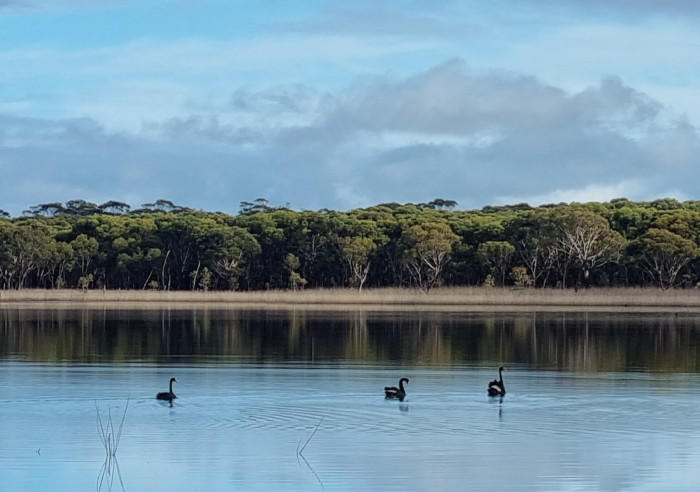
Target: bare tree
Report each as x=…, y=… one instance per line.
x=587, y=240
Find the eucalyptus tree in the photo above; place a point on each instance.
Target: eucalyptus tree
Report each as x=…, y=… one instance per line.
x=296, y=281
x=664, y=254
x=361, y=237
x=162, y=205
x=534, y=235
x=388, y=268
x=46, y=209
x=632, y=220
x=317, y=247
x=114, y=207
x=257, y=205
x=497, y=256
x=62, y=261
x=441, y=203
x=357, y=252
x=177, y=234
x=685, y=223
x=473, y=228
x=22, y=249
x=271, y=230
x=84, y=249
x=228, y=250
x=586, y=241
x=427, y=250
x=54, y=259
x=130, y=250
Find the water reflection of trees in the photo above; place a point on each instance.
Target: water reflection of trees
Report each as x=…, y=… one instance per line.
x=569, y=341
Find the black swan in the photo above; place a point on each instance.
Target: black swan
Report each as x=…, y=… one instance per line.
x=167, y=395
x=392, y=392
x=496, y=387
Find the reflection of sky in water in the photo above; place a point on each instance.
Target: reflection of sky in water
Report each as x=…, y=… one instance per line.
x=238, y=423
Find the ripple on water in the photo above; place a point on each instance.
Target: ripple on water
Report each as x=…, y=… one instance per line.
x=554, y=431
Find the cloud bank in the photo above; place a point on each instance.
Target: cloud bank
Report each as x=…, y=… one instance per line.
x=475, y=136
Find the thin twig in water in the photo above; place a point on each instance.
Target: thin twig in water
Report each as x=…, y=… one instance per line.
x=301, y=452
x=110, y=441
x=312, y=470
x=121, y=426
x=119, y=473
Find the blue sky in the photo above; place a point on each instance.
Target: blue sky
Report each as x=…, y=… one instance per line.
x=347, y=104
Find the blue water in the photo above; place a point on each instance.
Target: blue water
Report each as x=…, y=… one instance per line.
x=240, y=418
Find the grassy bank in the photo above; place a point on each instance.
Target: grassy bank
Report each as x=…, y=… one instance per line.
x=447, y=298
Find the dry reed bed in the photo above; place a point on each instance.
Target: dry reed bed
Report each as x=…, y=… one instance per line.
x=453, y=298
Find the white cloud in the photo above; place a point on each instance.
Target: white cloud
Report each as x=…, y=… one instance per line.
x=479, y=137
x=657, y=54
x=146, y=80
x=588, y=193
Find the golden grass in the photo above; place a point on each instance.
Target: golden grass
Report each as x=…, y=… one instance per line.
x=455, y=298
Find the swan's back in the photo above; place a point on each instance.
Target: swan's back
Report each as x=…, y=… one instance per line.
x=497, y=387
x=392, y=390
x=496, y=390
x=396, y=392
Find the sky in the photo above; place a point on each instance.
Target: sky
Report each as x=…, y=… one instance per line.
x=339, y=105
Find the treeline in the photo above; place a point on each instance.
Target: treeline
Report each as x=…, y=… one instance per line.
x=165, y=246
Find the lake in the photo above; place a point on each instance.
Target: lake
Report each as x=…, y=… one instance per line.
x=594, y=400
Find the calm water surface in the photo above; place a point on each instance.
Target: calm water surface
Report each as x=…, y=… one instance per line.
x=595, y=401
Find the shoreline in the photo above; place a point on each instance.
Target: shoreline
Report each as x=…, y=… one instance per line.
x=443, y=299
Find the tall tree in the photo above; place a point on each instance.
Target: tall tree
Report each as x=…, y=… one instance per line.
x=230, y=249
x=21, y=251
x=533, y=233
x=586, y=238
x=47, y=209
x=664, y=254
x=497, y=256
x=114, y=207
x=85, y=249
x=357, y=252
x=427, y=251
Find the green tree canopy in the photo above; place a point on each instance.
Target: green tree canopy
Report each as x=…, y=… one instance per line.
x=664, y=254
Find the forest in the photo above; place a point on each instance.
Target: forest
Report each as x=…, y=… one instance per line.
x=163, y=246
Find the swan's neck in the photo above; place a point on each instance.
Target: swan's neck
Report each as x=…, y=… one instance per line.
x=401, y=386
x=500, y=376
x=171, y=387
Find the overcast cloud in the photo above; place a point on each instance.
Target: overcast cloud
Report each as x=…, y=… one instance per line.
x=476, y=137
